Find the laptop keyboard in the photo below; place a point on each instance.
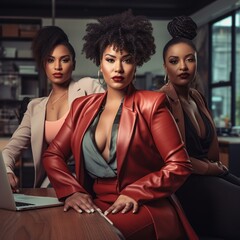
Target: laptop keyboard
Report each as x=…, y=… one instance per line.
x=21, y=204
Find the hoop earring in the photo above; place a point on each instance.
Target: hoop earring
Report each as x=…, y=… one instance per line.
x=166, y=78
x=101, y=82
x=134, y=79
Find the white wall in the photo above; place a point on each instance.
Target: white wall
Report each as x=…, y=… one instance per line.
x=75, y=29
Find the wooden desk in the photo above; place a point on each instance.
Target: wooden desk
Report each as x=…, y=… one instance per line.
x=53, y=223
x=230, y=153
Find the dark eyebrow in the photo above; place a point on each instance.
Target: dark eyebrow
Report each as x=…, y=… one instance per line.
x=188, y=55
x=67, y=55
x=127, y=55
x=172, y=57
x=123, y=57
x=107, y=54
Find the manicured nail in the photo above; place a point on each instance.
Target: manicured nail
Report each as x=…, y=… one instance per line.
x=99, y=210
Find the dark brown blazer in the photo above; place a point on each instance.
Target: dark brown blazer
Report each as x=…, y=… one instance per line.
x=176, y=109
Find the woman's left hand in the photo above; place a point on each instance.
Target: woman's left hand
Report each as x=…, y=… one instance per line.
x=123, y=204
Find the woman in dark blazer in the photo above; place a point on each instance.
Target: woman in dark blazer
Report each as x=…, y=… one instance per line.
x=211, y=195
x=129, y=156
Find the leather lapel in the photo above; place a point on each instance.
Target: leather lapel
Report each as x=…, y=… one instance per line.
x=84, y=124
x=125, y=132
x=176, y=110
x=75, y=91
x=201, y=105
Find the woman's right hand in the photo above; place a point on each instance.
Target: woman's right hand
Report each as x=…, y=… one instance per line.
x=80, y=202
x=216, y=168
x=14, y=182
x=206, y=167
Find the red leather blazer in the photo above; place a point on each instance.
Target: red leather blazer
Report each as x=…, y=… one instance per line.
x=151, y=159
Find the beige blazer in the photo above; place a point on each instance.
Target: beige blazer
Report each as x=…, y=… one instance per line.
x=31, y=130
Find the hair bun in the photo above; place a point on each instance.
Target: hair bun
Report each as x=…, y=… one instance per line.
x=183, y=27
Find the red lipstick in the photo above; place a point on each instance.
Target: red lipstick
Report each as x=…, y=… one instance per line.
x=118, y=78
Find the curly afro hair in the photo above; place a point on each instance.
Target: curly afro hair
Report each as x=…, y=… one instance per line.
x=125, y=32
x=183, y=30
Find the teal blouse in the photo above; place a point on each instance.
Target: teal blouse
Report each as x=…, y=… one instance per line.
x=95, y=164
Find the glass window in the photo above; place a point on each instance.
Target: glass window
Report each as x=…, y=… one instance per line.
x=221, y=100
x=237, y=67
x=221, y=50
x=222, y=67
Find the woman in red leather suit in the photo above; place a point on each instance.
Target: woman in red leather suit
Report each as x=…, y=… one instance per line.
x=128, y=154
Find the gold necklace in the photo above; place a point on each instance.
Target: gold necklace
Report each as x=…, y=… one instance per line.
x=56, y=100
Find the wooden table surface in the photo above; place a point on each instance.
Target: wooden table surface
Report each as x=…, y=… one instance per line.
x=227, y=140
x=53, y=223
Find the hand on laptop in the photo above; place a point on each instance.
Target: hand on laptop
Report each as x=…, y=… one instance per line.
x=13, y=180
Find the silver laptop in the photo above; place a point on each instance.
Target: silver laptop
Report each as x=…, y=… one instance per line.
x=18, y=202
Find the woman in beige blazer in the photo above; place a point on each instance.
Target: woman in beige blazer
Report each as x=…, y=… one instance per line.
x=44, y=116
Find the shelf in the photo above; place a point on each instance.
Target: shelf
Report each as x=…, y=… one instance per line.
x=16, y=59
x=21, y=21
x=9, y=101
x=9, y=73
x=28, y=75
x=16, y=39
x=18, y=75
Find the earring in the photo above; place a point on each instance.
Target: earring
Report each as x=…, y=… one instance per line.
x=99, y=79
x=165, y=78
x=134, y=79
